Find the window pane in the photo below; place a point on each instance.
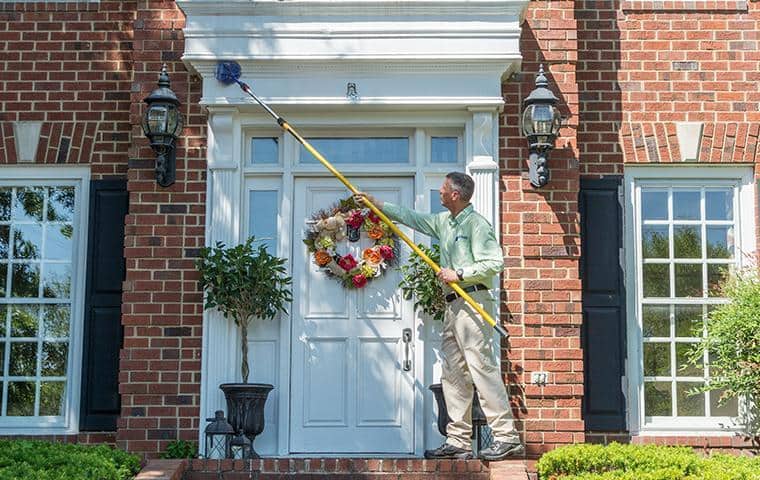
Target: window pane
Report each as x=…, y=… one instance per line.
x=690, y=405
x=686, y=205
x=716, y=278
x=720, y=242
x=656, y=320
x=53, y=362
x=55, y=321
x=265, y=151
x=688, y=280
x=687, y=241
x=58, y=242
x=656, y=280
x=25, y=280
x=658, y=399
x=688, y=320
x=23, y=361
x=24, y=320
x=27, y=241
x=656, y=359
x=359, y=150
x=654, y=205
x=5, y=241
x=443, y=149
x=51, y=398
x=3, y=316
x=3, y=278
x=5, y=203
x=28, y=204
x=60, y=206
x=21, y=399
x=263, y=221
x=719, y=204
x=654, y=241
x=683, y=367
x=729, y=409
x=56, y=282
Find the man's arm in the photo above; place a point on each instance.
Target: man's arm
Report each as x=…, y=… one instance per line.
x=487, y=256
x=422, y=222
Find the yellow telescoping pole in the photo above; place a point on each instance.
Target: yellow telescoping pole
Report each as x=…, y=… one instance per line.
x=286, y=127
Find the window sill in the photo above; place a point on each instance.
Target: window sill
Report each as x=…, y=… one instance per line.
x=684, y=5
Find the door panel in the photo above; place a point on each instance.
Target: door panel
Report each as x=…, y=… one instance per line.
x=349, y=393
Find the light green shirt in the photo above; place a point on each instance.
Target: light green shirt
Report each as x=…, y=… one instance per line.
x=467, y=241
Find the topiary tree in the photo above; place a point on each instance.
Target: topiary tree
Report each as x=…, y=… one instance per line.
x=732, y=343
x=244, y=283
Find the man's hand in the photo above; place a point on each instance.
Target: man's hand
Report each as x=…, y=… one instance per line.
x=361, y=198
x=447, y=275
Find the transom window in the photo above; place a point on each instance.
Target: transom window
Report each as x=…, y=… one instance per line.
x=37, y=252
x=687, y=243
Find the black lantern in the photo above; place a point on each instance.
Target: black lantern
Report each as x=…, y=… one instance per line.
x=162, y=124
x=240, y=448
x=219, y=434
x=540, y=124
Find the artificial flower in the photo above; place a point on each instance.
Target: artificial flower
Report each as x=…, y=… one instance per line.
x=372, y=256
x=359, y=281
x=322, y=258
x=369, y=270
x=326, y=242
x=355, y=219
x=347, y=262
x=386, y=252
x=373, y=217
x=376, y=232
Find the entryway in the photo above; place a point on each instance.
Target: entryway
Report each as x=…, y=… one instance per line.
x=350, y=391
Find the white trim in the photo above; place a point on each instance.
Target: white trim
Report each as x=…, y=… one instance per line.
x=79, y=177
x=674, y=176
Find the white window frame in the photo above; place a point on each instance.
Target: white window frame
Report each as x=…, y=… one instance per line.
x=703, y=175
x=79, y=177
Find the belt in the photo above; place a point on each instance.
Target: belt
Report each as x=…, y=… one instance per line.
x=472, y=288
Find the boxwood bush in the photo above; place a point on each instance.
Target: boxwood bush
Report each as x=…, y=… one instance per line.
x=642, y=462
x=38, y=460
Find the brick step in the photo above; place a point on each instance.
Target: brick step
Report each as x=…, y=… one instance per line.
x=354, y=468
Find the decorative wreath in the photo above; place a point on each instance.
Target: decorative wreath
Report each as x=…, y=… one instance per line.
x=343, y=223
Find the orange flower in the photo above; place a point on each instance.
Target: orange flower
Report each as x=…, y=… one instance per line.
x=376, y=232
x=322, y=258
x=372, y=256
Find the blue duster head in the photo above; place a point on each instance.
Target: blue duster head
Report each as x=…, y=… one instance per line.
x=228, y=72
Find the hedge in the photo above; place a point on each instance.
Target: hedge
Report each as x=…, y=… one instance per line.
x=642, y=462
x=39, y=460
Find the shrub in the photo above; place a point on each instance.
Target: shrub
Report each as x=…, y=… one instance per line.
x=420, y=282
x=180, y=449
x=642, y=462
x=33, y=459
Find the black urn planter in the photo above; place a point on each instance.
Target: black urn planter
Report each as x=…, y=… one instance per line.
x=245, y=409
x=478, y=417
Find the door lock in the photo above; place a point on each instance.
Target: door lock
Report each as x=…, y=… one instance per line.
x=406, y=337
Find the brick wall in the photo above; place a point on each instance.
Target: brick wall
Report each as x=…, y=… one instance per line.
x=541, y=238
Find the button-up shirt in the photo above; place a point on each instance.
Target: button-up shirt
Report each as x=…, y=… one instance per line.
x=467, y=241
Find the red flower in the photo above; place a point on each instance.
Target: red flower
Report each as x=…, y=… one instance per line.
x=373, y=218
x=386, y=251
x=355, y=219
x=359, y=280
x=347, y=262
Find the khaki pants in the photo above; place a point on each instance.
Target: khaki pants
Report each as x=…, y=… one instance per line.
x=469, y=358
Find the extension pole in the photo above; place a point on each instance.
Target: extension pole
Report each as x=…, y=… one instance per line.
x=454, y=285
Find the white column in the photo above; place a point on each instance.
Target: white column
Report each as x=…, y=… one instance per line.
x=220, y=353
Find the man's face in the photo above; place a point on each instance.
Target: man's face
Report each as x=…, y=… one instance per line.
x=449, y=196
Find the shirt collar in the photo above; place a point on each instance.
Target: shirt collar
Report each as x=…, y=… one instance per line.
x=466, y=211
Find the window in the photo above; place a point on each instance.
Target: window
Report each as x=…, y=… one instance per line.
x=262, y=221
x=39, y=250
x=358, y=150
x=265, y=151
x=687, y=240
x=444, y=150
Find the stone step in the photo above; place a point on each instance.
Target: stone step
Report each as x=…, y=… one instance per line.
x=355, y=468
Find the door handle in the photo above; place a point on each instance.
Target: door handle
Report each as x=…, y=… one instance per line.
x=406, y=337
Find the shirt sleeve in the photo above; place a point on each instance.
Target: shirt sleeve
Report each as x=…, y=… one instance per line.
x=487, y=256
x=426, y=223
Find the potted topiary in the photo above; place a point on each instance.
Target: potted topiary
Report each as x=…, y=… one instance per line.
x=244, y=283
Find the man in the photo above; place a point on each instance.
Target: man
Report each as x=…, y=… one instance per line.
x=470, y=256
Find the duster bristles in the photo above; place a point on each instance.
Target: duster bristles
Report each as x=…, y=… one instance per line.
x=227, y=72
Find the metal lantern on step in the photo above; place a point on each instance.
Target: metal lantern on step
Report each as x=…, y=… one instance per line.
x=240, y=448
x=219, y=435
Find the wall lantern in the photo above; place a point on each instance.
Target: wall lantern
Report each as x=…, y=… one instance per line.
x=219, y=435
x=540, y=124
x=162, y=125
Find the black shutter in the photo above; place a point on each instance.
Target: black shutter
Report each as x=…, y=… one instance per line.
x=603, y=333
x=103, y=333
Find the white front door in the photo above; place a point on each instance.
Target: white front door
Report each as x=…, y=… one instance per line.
x=350, y=393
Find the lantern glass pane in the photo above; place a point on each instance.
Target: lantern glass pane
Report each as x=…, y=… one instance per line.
x=527, y=121
x=172, y=120
x=157, y=117
x=543, y=117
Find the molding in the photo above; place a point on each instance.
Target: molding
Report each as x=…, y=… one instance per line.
x=220, y=142
x=27, y=135
x=401, y=102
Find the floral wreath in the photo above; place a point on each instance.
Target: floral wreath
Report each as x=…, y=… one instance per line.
x=346, y=220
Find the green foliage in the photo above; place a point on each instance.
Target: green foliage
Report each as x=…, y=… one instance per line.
x=180, y=449
x=733, y=345
x=642, y=462
x=244, y=283
x=418, y=281
x=32, y=459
